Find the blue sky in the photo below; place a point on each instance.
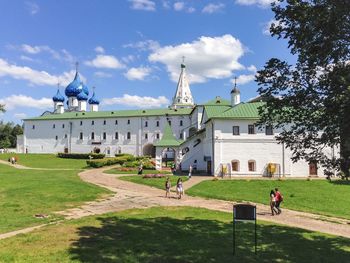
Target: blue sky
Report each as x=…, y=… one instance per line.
x=130, y=50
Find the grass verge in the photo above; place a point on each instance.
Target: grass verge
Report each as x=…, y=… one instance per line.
x=316, y=196
x=154, y=182
x=116, y=171
x=45, y=161
x=170, y=235
x=24, y=193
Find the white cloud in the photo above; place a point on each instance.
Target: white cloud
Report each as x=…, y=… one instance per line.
x=128, y=58
x=23, y=101
x=33, y=8
x=178, y=6
x=144, y=45
x=34, y=77
x=252, y=68
x=105, y=61
x=34, y=50
x=213, y=8
x=145, y=5
x=137, y=73
x=244, y=79
x=206, y=58
x=260, y=3
x=166, y=4
x=99, y=49
x=25, y=58
x=137, y=101
x=20, y=115
x=101, y=74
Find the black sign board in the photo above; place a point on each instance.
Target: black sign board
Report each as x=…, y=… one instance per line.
x=243, y=212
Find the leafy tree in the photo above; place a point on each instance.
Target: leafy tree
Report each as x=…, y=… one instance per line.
x=2, y=108
x=8, y=134
x=314, y=93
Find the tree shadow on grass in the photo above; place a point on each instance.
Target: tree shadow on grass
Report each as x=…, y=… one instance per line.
x=165, y=239
x=340, y=182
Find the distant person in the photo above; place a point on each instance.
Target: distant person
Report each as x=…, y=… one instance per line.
x=272, y=202
x=190, y=172
x=279, y=199
x=179, y=188
x=140, y=169
x=167, y=187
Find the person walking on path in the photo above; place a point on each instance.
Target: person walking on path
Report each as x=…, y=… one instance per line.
x=273, y=202
x=140, y=169
x=167, y=187
x=190, y=171
x=279, y=199
x=179, y=188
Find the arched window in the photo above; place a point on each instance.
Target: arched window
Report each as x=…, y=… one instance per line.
x=251, y=166
x=235, y=165
x=128, y=136
x=92, y=136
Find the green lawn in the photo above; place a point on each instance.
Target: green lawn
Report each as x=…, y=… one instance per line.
x=115, y=171
x=24, y=193
x=45, y=161
x=170, y=235
x=154, y=182
x=317, y=196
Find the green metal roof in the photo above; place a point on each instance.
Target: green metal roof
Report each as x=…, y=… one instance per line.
x=241, y=111
x=213, y=111
x=168, y=138
x=113, y=114
x=218, y=101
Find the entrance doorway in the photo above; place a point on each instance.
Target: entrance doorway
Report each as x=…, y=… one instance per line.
x=313, y=169
x=149, y=150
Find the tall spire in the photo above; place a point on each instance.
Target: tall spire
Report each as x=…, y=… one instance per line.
x=183, y=96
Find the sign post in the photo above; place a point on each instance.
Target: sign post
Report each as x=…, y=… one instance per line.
x=243, y=212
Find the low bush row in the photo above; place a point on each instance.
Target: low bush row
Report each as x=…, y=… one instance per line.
x=81, y=155
x=146, y=176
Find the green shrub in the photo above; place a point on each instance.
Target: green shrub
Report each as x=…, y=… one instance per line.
x=131, y=164
x=81, y=155
x=107, y=161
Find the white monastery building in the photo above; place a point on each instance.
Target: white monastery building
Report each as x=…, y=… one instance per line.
x=218, y=137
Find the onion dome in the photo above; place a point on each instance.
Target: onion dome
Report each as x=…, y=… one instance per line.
x=58, y=97
x=94, y=100
x=82, y=96
x=72, y=90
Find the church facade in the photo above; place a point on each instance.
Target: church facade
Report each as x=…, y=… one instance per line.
x=218, y=137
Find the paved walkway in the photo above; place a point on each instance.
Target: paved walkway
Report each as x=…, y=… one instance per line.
x=130, y=195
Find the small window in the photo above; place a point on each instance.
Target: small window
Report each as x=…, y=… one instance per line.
x=116, y=136
x=62, y=126
x=54, y=126
x=251, y=129
x=65, y=136
x=81, y=123
x=157, y=124
x=56, y=137
x=235, y=130
x=81, y=136
x=181, y=136
x=128, y=135
x=128, y=121
x=235, y=166
x=157, y=135
x=251, y=166
x=146, y=123
x=92, y=122
x=116, y=122
x=146, y=136
x=92, y=136
x=269, y=130
x=33, y=127
x=104, y=136
x=104, y=122
x=181, y=123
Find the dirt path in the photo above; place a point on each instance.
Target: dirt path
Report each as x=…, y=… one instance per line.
x=130, y=195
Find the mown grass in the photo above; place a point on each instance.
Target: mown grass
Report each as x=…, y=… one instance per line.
x=316, y=196
x=171, y=235
x=146, y=171
x=153, y=182
x=45, y=161
x=24, y=193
